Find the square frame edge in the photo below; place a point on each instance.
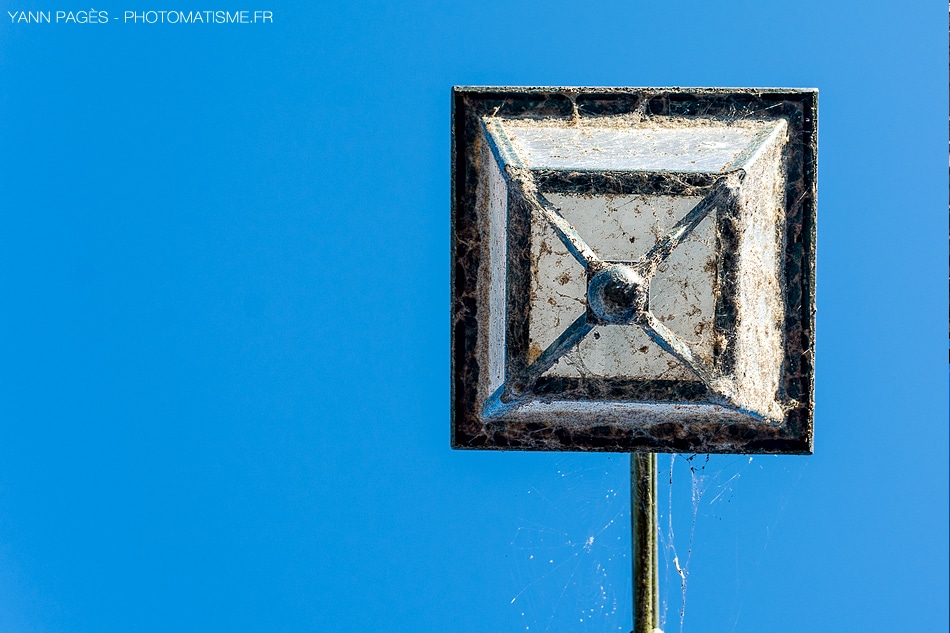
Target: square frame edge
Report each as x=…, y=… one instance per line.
x=797, y=436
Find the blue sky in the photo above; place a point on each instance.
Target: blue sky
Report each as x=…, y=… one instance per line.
x=224, y=401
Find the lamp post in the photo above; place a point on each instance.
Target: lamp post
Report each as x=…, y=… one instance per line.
x=633, y=271
x=643, y=530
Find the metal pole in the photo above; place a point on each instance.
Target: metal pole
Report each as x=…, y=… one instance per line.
x=646, y=586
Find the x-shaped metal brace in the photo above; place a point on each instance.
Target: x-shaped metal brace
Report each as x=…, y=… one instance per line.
x=618, y=291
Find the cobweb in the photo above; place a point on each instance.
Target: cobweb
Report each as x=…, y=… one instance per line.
x=716, y=514
x=572, y=550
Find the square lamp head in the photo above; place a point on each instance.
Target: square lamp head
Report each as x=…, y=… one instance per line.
x=633, y=269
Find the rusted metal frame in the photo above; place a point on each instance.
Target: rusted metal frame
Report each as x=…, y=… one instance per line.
x=473, y=106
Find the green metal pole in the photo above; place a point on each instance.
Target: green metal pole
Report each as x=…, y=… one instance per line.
x=646, y=586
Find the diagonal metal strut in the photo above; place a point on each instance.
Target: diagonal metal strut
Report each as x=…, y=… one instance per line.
x=722, y=190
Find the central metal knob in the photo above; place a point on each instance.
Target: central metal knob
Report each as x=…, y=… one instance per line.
x=617, y=294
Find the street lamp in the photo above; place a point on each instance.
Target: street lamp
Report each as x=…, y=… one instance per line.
x=633, y=270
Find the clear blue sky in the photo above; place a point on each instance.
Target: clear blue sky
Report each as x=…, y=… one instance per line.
x=224, y=262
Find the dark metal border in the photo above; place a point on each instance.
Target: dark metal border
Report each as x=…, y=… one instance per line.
x=797, y=106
